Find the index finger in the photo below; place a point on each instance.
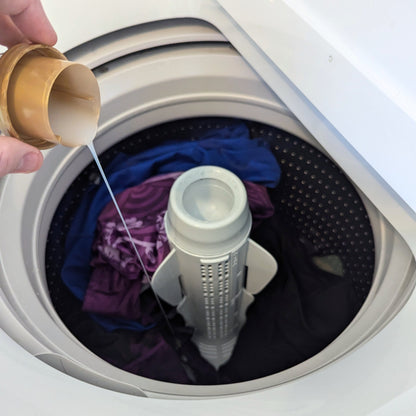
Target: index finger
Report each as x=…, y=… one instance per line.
x=30, y=18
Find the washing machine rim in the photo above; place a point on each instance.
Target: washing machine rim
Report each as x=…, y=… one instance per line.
x=273, y=113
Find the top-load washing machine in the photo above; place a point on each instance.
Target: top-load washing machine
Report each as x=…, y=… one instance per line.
x=332, y=83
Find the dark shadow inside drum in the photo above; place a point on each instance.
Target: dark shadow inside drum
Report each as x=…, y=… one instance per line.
x=320, y=236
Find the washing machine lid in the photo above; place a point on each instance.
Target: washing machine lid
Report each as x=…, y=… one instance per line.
x=353, y=69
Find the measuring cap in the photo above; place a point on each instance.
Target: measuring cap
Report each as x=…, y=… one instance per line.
x=46, y=99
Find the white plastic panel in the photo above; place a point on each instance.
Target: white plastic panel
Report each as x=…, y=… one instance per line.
x=89, y=19
x=332, y=81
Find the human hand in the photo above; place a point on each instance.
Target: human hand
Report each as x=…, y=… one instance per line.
x=22, y=21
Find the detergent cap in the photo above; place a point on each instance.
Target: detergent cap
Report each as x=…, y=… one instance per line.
x=46, y=99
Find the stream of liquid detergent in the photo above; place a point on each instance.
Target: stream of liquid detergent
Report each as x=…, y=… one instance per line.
x=95, y=156
x=178, y=345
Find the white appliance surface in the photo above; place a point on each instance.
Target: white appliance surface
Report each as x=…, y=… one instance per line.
x=361, y=50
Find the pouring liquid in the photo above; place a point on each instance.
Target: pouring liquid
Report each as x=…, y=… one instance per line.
x=184, y=360
x=103, y=175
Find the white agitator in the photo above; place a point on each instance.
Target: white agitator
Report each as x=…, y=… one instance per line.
x=214, y=268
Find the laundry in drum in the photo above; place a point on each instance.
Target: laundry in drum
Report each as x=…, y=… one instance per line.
x=109, y=305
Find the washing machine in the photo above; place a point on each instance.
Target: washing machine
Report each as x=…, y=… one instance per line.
x=337, y=79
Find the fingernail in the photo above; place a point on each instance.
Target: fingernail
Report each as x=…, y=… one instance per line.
x=29, y=162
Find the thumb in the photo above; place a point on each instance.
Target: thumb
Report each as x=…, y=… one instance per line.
x=18, y=157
